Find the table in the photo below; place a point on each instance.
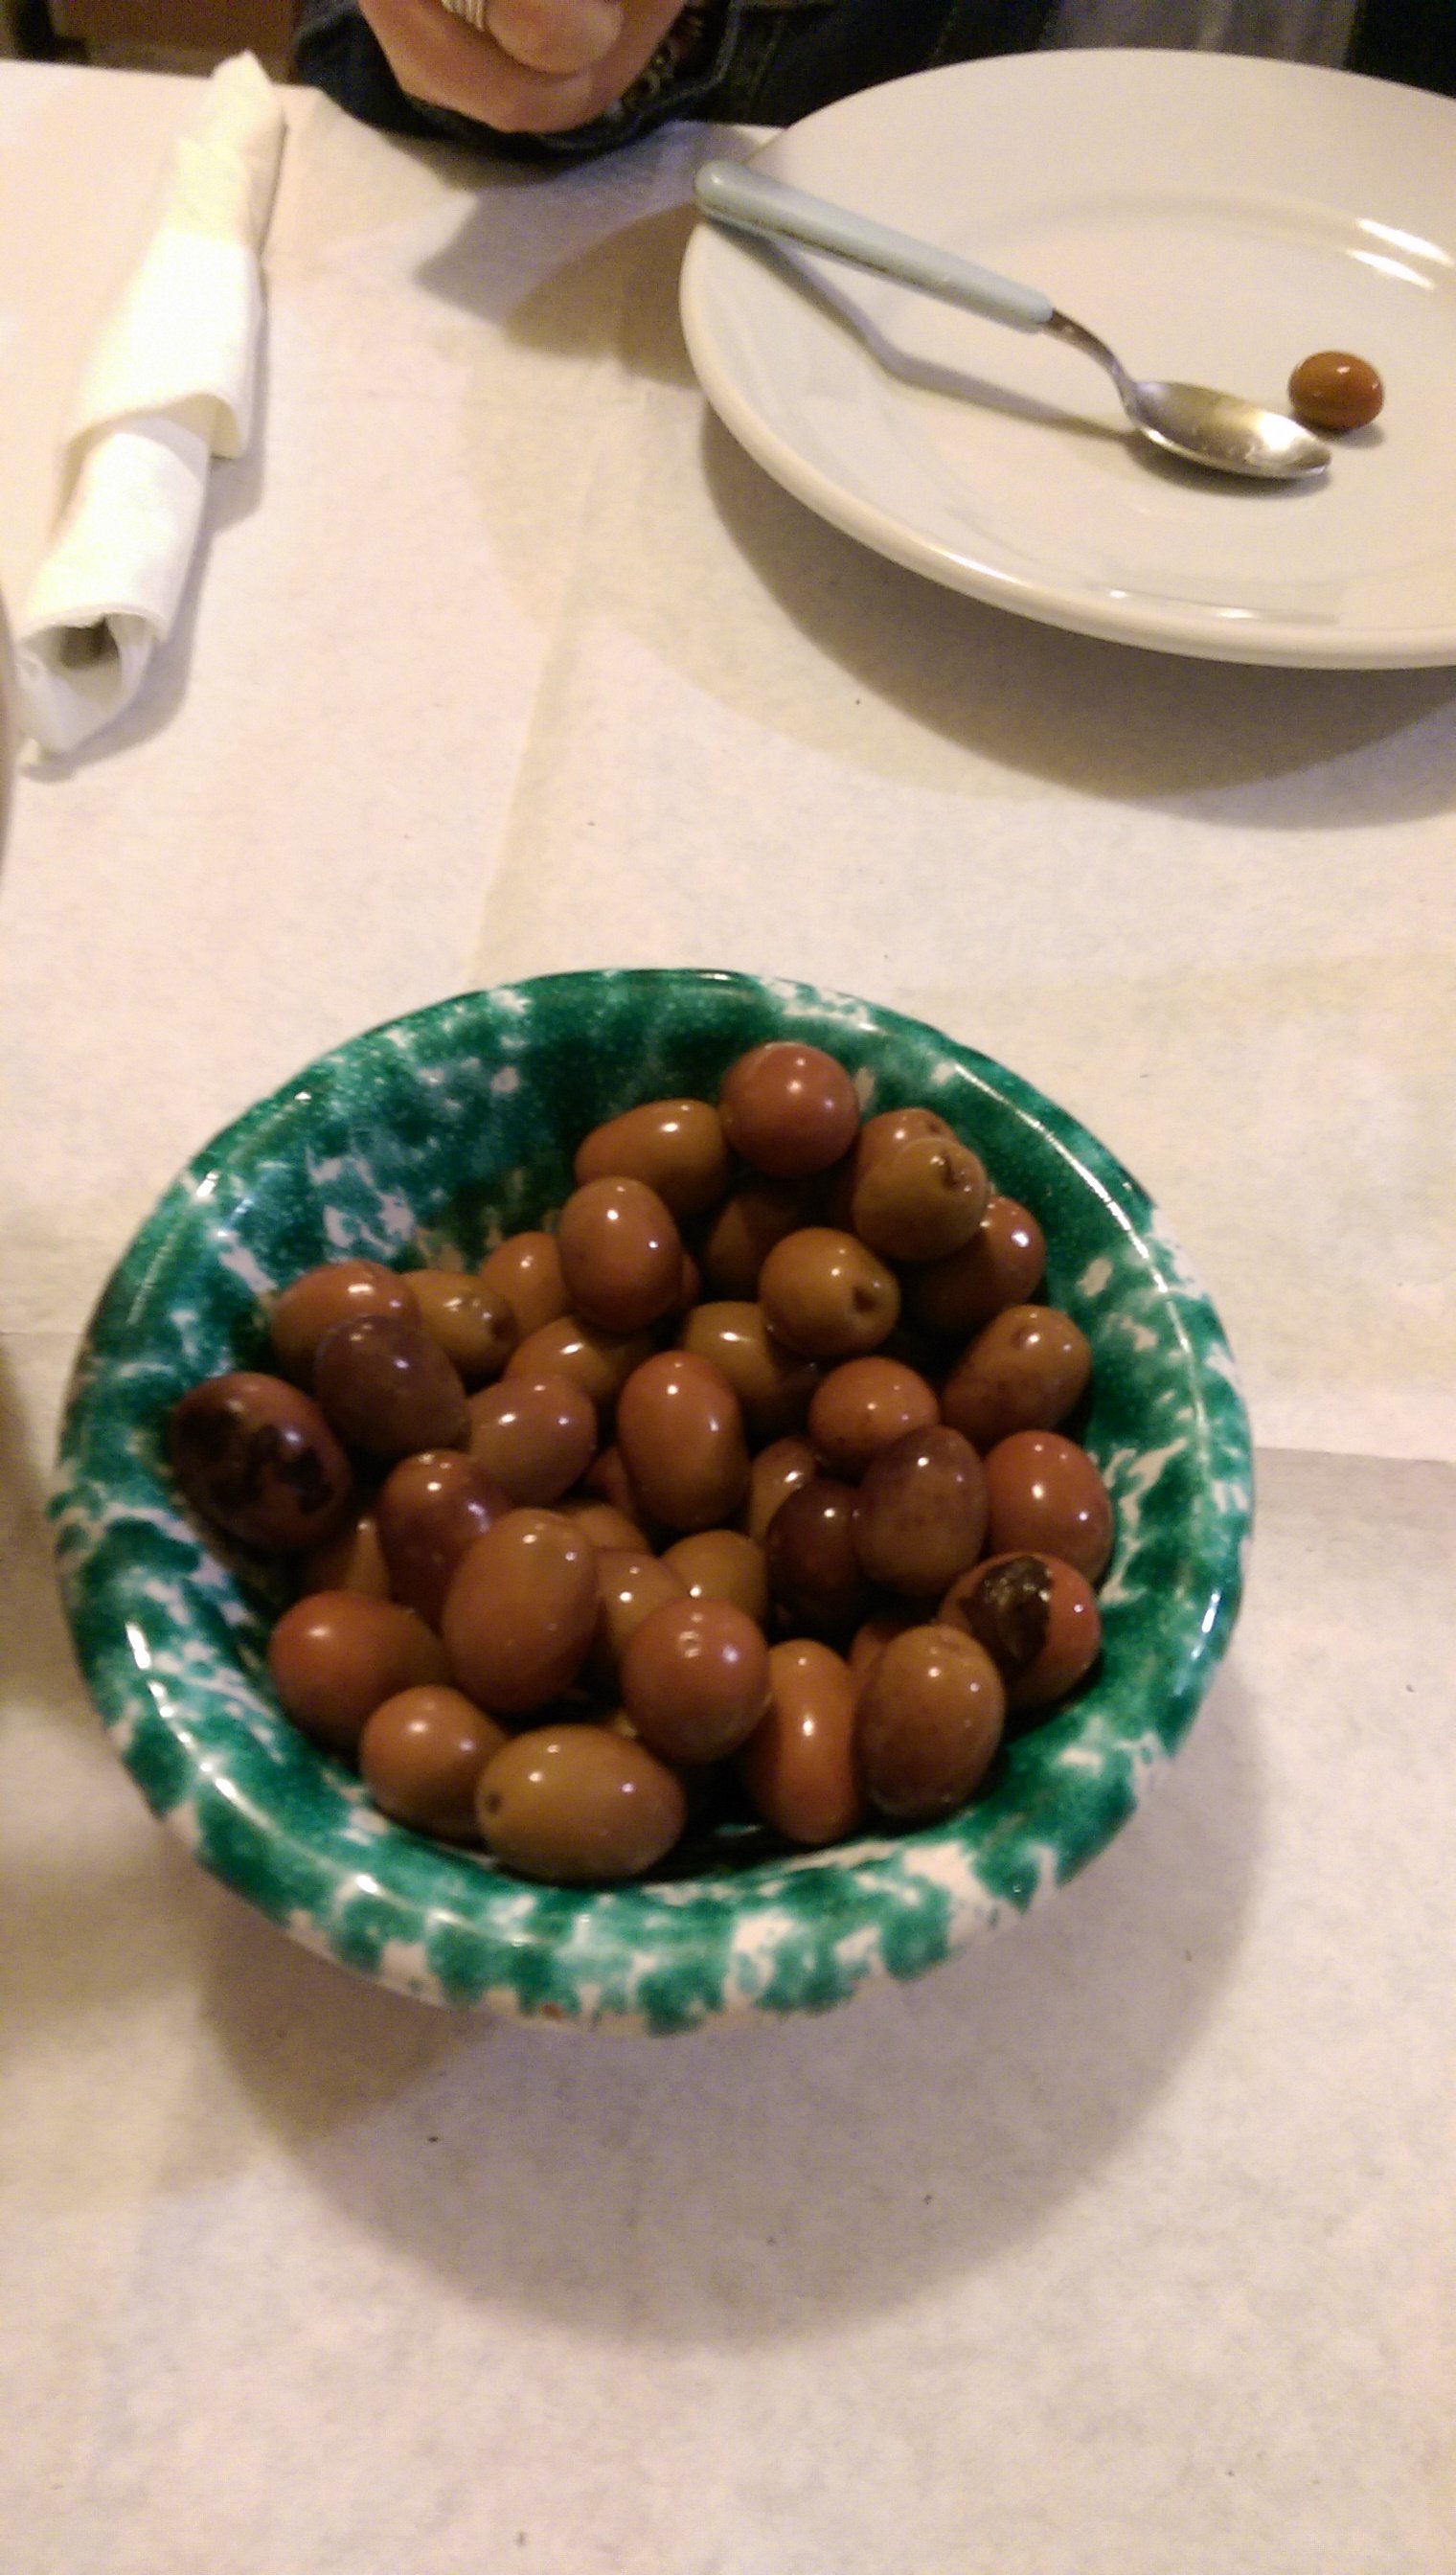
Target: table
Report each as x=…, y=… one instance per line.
x=1122, y=2244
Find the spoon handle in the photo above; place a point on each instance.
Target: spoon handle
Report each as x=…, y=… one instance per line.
x=749, y=200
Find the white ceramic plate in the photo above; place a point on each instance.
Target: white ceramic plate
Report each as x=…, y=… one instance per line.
x=1214, y=218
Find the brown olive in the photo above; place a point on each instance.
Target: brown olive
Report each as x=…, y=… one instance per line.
x=923, y=1200
x=526, y=1270
x=1334, y=390
x=258, y=1458
x=695, y=1680
x=864, y=1404
x=388, y=1387
x=679, y=1428
x=827, y=1295
x=690, y=1287
x=813, y=1565
x=676, y=1145
x=598, y=1362
x=520, y=1613
x=1002, y=1265
x=422, y=1754
x=745, y=1231
x=631, y=1585
x=921, y=1512
x=1037, y=1620
x=772, y=1384
x=1046, y=1497
x=352, y=1562
x=869, y=1642
x=603, y=1523
x=431, y=1508
x=475, y=1325
x=723, y=1564
x=885, y=1134
x=607, y=1478
x=579, y=1805
x=799, y=1765
x=930, y=1719
x=1023, y=1371
x=337, y=1291
x=775, y=1473
x=622, y=1258
x=338, y=1655
x=789, y=1109
x=533, y=1434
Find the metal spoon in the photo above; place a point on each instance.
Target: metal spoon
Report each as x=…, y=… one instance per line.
x=1192, y=421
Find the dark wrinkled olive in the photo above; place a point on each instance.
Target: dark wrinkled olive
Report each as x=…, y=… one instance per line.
x=1046, y=1497
x=775, y=1473
x=1334, y=390
x=813, y=1565
x=921, y=1512
x=863, y=1405
x=1037, y=1620
x=352, y=1562
x=631, y=1585
x=1023, y=1371
x=520, y=1613
x=695, y=1680
x=337, y=1292
x=534, y=1435
x=431, y=1508
x=598, y=1362
x=1002, y=1265
x=621, y=1256
x=338, y=1655
x=799, y=1765
x=772, y=1384
x=679, y=1428
x=526, y=1270
x=723, y=1564
x=745, y=1231
x=827, y=1295
x=579, y=1805
x=475, y=1325
x=923, y=1200
x=421, y=1755
x=258, y=1459
x=930, y=1719
x=676, y=1145
x=388, y=1387
x=789, y=1109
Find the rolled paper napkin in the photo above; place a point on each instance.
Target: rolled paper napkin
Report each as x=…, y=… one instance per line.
x=169, y=386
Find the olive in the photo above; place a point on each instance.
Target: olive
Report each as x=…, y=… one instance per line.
x=863, y=1405
x=799, y=1765
x=1334, y=390
x=1037, y=1620
x=679, y=1428
x=603, y=1523
x=475, y=1325
x=921, y=1201
x=930, y=1719
x=1003, y=1264
x=534, y=1435
x=621, y=1255
x=422, y=1754
x=579, y=1805
x=745, y=1230
x=1023, y=1371
x=520, y=1613
x=352, y=1562
x=631, y=1585
x=789, y=1109
x=695, y=1680
x=773, y=1385
x=775, y=1473
x=337, y=1292
x=388, y=1389
x=921, y=1512
x=869, y=1642
x=885, y=1134
x=824, y=1294
x=598, y=1362
x=813, y=1565
x=676, y=1145
x=258, y=1458
x=607, y=1478
x=723, y=1564
x=338, y=1655
x=1046, y=1497
x=526, y=1270
x=431, y=1508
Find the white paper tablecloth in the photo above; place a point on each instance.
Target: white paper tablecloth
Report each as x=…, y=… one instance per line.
x=1121, y=2246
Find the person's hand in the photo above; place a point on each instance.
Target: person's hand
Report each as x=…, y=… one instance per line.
x=538, y=66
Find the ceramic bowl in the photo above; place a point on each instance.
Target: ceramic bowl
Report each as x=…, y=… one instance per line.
x=446, y=1128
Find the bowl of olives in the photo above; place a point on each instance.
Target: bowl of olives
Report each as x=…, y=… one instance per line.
x=642, y=1495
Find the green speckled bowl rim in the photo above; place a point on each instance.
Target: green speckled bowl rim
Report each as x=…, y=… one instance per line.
x=454, y=1123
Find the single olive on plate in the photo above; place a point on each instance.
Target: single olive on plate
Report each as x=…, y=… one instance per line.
x=1335, y=391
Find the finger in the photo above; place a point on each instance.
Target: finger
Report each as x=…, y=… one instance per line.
x=555, y=36
x=435, y=58
x=645, y=23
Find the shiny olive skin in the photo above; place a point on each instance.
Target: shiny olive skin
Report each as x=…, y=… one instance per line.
x=258, y=1459
x=679, y=1428
x=921, y=1514
x=430, y=1509
x=1334, y=390
x=608, y=1476
x=775, y=1473
x=745, y=1231
x=1037, y=1620
x=772, y=1384
x=814, y=1572
x=1003, y=1264
x=422, y=1754
x=676, y=1145
x=475, y=1325
x=1023, y=1371
x=789, y=1109
x=388, y=1389
x=921, y=1201
x=869, y=1642
x=579, y=1805
x=534, y=1435
x=827, y=1295
x=860, y=1406
x=1046, y=1497
x=352, y=1562
x=621, y=1255
x=337, y=1292
x=598, y=1362
x=526, y=1270
x=338, y=1655
x=931, y=1716
x=799, y=1765
x=603, y=1523
x=520, y=1613
x=695, y=1680
x=631, y=1585
x=723, y=1564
